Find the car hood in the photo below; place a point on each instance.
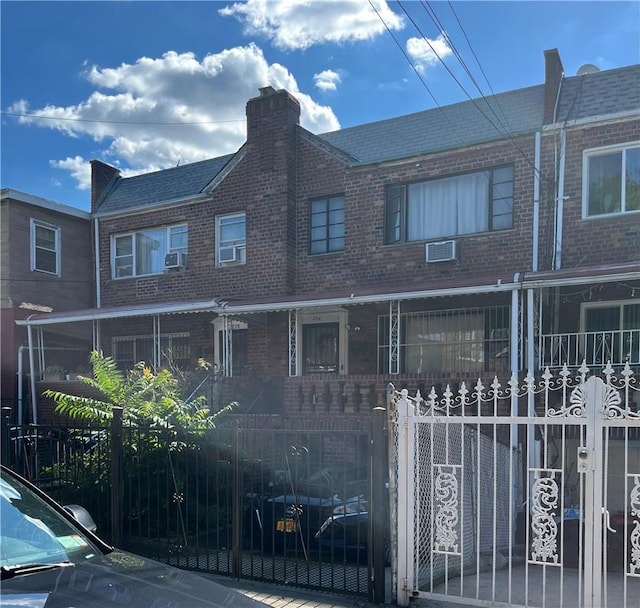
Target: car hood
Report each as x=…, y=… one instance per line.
x=118, y=579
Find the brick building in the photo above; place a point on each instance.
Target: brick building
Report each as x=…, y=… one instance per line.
x=495, y=236
x=45, y=268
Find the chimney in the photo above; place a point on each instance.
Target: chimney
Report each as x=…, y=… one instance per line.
x=553, y=74
x=271, y=114
x=102, y=176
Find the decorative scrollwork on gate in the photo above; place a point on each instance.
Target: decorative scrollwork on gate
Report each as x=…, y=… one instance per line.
x=446, y=510
x=544, y=529
x=634, y=537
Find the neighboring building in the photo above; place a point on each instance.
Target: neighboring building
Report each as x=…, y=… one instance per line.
x=490, y=237
x=45, y=268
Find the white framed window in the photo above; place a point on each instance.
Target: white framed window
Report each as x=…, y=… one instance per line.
x=231, y=239
x=611, y=180
x=611, y=332
x=140, y=253
x=445, y=207
x=45, y=247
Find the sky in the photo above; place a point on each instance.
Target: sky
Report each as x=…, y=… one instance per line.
x=147, y=85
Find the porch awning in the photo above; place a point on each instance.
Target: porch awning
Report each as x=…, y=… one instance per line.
x=609, y=273
x=297, y=302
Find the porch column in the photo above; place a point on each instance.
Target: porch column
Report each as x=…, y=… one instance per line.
x=293, y=343
x=157, y=355
x=227, y=346
x=394, y=334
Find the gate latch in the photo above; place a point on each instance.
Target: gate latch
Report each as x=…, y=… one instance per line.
x=583, y=460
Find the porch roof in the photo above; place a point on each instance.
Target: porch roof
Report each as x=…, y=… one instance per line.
x=346, y=297
x=353, y=295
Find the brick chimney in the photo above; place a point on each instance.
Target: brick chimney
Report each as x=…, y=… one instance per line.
x=272, y=119
x=102, y=176
x=553, y=74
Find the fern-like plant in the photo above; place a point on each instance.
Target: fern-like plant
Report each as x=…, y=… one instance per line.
x=147, y=399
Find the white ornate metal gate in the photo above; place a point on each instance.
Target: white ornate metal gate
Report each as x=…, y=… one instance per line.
x=525, y=495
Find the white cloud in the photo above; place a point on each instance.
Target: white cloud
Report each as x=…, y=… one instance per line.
x=134, y=115
x=327, y=80
x=424, y=52
x=78, y=167
x=300, y=24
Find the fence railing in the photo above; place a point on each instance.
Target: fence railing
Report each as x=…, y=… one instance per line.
x=595, y=348
x=258, y=501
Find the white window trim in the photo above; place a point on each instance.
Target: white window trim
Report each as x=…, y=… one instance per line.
x=619, y=304
x=241, y=247
x=590, y=153
x=132, y=233
x=58, y=245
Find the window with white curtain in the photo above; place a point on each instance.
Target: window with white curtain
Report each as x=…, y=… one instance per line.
x=143, y=252
x=451, y=206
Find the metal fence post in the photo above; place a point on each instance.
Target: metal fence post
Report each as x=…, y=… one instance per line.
x=236, y=520
x=116, y=476
x=5, y=436
x=378, y=532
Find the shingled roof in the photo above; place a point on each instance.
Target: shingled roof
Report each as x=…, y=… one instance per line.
x=483, y=120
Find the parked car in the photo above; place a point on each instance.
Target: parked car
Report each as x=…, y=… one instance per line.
x=49, y=559
x=306, y=518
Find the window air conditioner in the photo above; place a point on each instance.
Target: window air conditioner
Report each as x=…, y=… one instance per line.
x=228, y=254
x=175, y=259
x=443, y=251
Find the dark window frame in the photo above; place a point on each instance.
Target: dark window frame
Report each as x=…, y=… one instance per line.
x=397, y=206
x=322, y=220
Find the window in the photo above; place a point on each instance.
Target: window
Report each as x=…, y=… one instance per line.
x=612, y=181
x=326, y=224
x=231, y=237
x=611, y=333
x=45, y=247
x=448, y=341
x=464, y=204
x=130, y=350
x=143, y=252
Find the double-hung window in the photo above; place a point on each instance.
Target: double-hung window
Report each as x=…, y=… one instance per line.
x=326, y=223
x=612, y=180
x=143, y=252
x=45, y=247
x=451, y=206
x=231, y=239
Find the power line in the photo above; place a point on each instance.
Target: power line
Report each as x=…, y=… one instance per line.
x=120, y=122
x=502, y=130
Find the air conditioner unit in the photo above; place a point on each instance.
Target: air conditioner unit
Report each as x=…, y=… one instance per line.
x=175, y=259
x=228, y=254
x=443, y=251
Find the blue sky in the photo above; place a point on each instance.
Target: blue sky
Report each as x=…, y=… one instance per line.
x=147, y=85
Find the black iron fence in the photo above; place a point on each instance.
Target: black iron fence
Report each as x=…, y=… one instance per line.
x=249, y=499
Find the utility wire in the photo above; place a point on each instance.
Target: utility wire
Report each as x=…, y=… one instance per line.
x=502, y=130
x=119, y=122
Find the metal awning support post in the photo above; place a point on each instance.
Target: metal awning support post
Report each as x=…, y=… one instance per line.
x=293, y=343
x=32, y=369
x=394, y=337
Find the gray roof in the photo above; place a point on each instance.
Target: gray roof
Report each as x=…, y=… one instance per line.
x=444, y=128
x=166, y=185
x=450, y=127
x=599, y=94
